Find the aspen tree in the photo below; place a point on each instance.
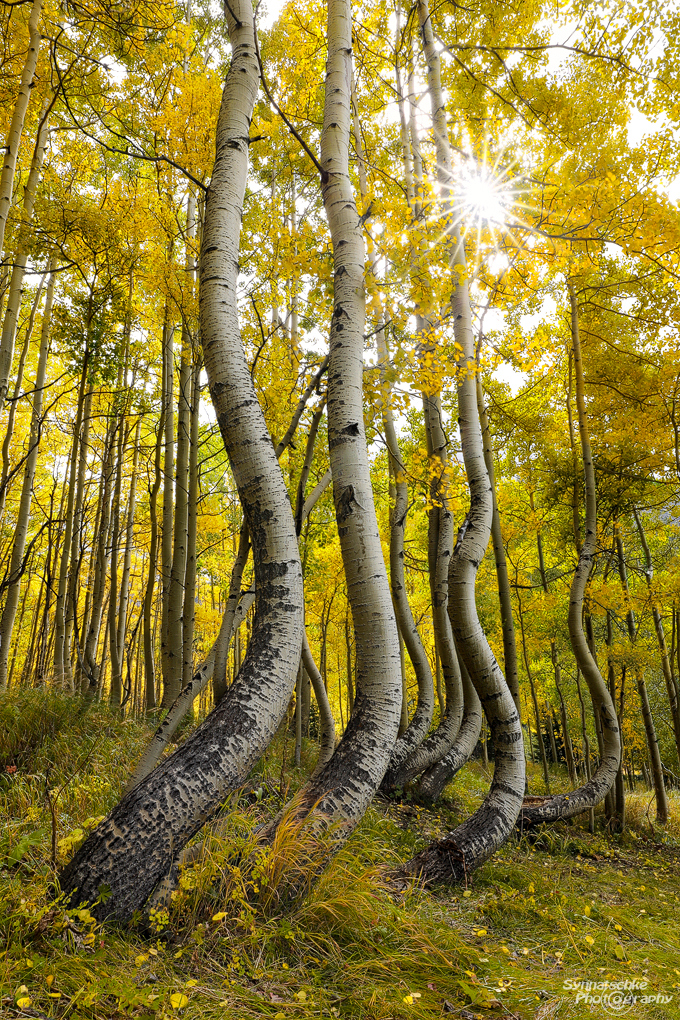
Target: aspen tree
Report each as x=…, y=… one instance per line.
x=136, y=845
x=345, y=786
x=476, y=839
x=600, y=783
x=13, y=141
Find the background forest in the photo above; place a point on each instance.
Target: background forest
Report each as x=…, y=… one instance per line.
x=127, y=587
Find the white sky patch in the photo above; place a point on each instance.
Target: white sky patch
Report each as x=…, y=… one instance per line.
x=115, y=70
x=532, y=320
x=515, y=379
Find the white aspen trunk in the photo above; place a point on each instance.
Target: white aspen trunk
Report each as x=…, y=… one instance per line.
x=440, y=519
x=92, y=678
x=504, y=598
x=419, y=725
x=326, y=721
x=149, y=664
x=116, y=685
x=413, y=733
x=473, y=842
x=134, y=848
x=600, y=783
x=9, y=323
x=233, y=595
x=345, y=786
x=21, y=529
x=16, y=128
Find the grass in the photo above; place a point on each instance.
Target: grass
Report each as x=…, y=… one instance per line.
x=548, y=912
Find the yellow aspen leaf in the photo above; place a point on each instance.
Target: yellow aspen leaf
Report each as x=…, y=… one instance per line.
x=178, y=1000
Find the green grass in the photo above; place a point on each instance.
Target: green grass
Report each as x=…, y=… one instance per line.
x=547, y=912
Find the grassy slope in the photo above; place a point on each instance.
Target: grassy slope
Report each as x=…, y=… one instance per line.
x=567, y=907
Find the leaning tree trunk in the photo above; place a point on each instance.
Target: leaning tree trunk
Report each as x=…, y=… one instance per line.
x=345, y=787
x=599, y=784
x=473, y=842
x=135, y=846
x=440, y=519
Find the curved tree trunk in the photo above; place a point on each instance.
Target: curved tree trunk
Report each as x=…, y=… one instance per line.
x=599, y=784
x=468, y=846
x=135, y=846
x=412, y=733
x=345, y=786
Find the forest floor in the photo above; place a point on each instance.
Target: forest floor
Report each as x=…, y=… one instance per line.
x=538, y=923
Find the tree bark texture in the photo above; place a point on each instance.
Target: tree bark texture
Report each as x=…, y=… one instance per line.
x=16, y=127
x=134, y=848
x=345, y=786
x=468, y=846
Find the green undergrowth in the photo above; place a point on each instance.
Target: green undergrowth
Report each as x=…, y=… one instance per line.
x=249, y=935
